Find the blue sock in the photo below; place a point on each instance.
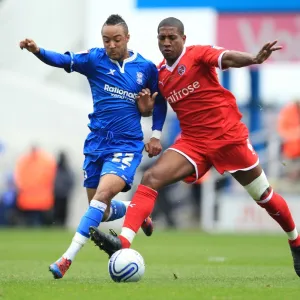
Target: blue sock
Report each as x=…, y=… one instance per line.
x=117, y=210
x=92, y=217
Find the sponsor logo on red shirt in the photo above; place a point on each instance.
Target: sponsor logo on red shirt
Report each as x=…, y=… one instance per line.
x=177, y=95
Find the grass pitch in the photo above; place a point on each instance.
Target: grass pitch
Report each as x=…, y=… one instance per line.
x=179, y=265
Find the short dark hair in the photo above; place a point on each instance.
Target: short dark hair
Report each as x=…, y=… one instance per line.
x=116, y=20
x=172, y=22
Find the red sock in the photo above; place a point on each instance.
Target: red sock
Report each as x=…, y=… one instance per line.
x=296, y=242
x=125, y=243
x=140, y=207
x=278, y=209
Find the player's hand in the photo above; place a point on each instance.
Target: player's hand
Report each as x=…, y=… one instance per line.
x=30, y=45
x=153, y=147
x=145, y=102
x=266, y=51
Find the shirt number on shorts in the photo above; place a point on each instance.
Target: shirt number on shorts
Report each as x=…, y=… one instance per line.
x=124, y=159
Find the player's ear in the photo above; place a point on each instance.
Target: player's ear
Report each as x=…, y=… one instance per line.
x=184, y=38
x=128, y=37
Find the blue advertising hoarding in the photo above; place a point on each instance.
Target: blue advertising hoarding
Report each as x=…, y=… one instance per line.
x=226, y=6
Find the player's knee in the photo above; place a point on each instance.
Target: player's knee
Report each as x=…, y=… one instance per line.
x=104, y=196
x=149, y=179
x=259, y=187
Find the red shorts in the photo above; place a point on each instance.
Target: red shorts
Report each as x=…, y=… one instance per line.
x=229, y=153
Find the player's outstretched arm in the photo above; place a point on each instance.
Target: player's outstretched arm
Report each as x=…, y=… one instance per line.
x=48, y=57
x=236, y=59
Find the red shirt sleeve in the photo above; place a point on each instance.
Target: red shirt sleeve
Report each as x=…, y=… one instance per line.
x=210, y=55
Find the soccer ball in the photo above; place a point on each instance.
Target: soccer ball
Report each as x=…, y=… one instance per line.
x=126, y=265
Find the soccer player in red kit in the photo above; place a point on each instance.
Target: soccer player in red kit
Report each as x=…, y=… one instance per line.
x=212, y=135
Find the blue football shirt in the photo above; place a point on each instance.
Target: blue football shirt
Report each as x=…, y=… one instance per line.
x=114, y=87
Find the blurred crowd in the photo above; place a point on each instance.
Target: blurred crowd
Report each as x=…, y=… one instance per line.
x=38, y=190
x=289, y=131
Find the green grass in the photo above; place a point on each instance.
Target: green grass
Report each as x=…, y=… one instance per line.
x=207, y=267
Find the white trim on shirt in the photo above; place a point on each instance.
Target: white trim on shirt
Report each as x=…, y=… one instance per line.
x=171, y=68
x=220, y=60
x=127, y=60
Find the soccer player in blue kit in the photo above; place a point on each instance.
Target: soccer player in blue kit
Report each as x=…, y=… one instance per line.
x=124, y=88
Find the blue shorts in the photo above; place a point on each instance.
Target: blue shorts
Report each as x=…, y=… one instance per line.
x=104, y=156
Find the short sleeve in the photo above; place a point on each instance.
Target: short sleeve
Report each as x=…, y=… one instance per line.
x=83, y=62
x=210, y=55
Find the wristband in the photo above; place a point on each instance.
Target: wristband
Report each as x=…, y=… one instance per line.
x=156, y=134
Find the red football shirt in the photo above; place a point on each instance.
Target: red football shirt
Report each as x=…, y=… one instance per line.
x=204, y=108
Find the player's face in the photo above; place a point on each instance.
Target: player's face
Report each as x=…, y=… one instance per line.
x=170, y=43
x=115, y=41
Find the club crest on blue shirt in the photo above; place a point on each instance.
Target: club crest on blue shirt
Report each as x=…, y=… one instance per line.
x=139, y=78
x=181, y=70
